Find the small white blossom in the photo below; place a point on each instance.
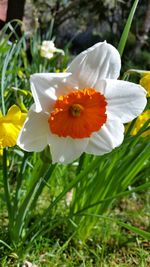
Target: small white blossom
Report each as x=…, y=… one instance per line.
x=48, y=49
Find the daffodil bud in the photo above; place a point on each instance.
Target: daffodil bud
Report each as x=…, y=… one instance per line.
x=48, y=49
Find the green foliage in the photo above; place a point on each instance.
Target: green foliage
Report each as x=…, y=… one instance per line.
x=24, y=174
x=127, y=27
x=111, y=176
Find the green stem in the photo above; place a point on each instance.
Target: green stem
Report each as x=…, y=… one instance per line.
x=81, y=161
x=19, y=183
x=19, y=178
x=6, y=185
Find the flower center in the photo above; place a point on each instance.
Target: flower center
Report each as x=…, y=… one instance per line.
x=78, y=114
x=76, y=110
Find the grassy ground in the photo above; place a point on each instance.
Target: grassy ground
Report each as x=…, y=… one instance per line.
x=109, y=245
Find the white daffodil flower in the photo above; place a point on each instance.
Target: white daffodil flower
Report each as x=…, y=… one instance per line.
x=48, y=49
x=82, y=110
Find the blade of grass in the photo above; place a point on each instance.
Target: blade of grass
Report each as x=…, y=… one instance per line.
x=5, y=65
x=126, y=30
x=19, y=180
x=134, y=229
x=6, y=245
x=6, y=187
x=145, y=186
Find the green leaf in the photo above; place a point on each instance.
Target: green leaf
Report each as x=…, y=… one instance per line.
x=5, y=244
x=134, y=229
x=127, y=27
x=145, y=186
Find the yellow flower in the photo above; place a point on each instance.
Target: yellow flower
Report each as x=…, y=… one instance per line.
x=141, y=120
x=145, y=82
x=10, y=126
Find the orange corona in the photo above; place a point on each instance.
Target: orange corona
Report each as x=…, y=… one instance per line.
x=78, y=114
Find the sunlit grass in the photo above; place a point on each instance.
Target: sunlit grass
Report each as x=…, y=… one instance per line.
x=109, y=245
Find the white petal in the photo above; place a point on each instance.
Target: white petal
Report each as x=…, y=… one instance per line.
x=66, y=149
x=101, y=61
x=34, y=134
x=125, y=100
x=110, y=136
x=47, y=87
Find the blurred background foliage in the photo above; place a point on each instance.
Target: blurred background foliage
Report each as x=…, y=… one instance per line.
x=79, y=24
